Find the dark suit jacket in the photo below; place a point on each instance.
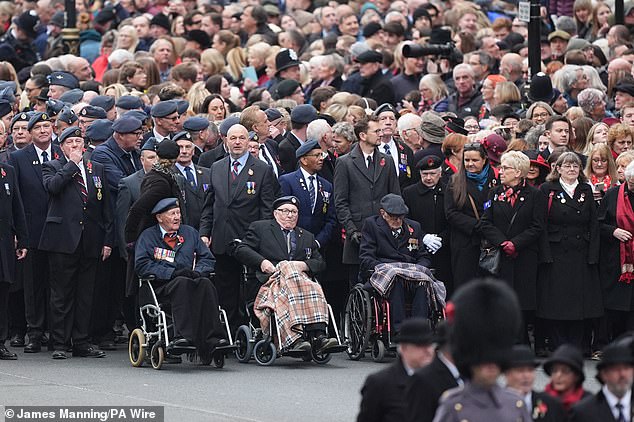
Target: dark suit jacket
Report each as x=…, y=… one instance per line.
x=12, y=222
x=195, y=196
x=110, y=155
x=555, y=411
x=383, y=395
x=287, y=152
x=265, y=240
x=425, y=389
x=68, y=220
x=274, y=149
x=28, y=171
x=358, y=195
x=129, y=192
x=406, y=164
x=322, y=221
x=228, y=212
x=592, y=409
x=207, y=158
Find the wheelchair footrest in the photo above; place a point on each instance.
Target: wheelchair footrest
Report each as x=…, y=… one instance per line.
x=336, y=349
x=296, y=353
x=177, y=351
x=227, y=348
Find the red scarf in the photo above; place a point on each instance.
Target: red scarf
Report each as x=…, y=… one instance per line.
x=614, y=154
x=607, y=181
x=625, y=221
x=566, y=399
x=451, y=166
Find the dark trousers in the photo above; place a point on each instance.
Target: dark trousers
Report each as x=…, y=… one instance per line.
x=4, y=311
x=17, y=319
x=194, y=305
x=617, y=323
x=227, y=280
x=36, y=293
x=108, y=297
x=570, y=332
x=72, y=288
x=420, y=308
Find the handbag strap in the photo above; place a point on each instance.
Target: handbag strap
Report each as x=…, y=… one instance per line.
x=475, y=210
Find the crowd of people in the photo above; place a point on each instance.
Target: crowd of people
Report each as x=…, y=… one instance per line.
x=386, y=131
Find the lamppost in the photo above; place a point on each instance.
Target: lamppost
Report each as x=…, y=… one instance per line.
x=70, y=33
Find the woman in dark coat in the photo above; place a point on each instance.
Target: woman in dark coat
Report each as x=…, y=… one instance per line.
x=569, y=290
x=514, y=221
x=616, y=219
x=465, y=196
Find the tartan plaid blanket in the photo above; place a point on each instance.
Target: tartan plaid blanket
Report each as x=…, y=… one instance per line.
x=294, y=298
x=385, y=274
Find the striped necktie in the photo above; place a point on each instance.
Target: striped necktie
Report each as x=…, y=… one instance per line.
x=82, y=187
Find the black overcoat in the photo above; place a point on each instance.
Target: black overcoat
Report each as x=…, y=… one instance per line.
x=12, y=222
x=425, y=389
x=383, y=395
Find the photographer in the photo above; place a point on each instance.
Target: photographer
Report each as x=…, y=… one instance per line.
x=411, y=73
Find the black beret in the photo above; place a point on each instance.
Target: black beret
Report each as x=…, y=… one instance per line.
x=371, y=28
x=100, y=130
x=286, y=88
x=104, y=101
x=386, y=107
x=306, y=148
x=164, y=108
x=196, y=124
x=67, y=115
x=415, y=331
x=54, y=107
x=394, y=204
x=285, y=200
x=182, y=135
x=69, y=132
x=370, y=56
x=149, y=145
x=273, y=114
x=93, y=112
x=429, y=162
x=20, y=117
x=168, y=149
x=126, y=124
x=73, y=96
x=65, y=79
x=36, y=118
x=129, y=102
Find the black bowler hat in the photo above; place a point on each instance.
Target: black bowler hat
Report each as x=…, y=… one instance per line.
x=67, y=115
x=285, y=200
x=93, y=112
x=104, y=101
x=168, y=149
x=285, y=59
x=99, y=130
x=69, y=132
x=306, y=148
x=165, y=204
x=196, y=124
x=568, y=355
x=394, y=204
x=161, y=20
x=370, y=56
x=455, y=125
x=522, y=356
x=126, y=124
x=614, y=354
x=129, y=102
x=415, y=331
x=626, y=86
x=429, y=162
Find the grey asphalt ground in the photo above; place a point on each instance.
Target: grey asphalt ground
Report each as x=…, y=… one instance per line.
x=290, y=390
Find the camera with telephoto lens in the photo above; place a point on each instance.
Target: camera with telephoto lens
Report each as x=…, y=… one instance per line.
x=417, y=50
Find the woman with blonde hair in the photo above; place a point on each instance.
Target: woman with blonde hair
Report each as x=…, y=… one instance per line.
x=507, y=93
x=236, y=61
x=600, y=20
x=196, y=97
x=151, y=71
x=116, y=91
x=539, y=112
x=224, y=41
x=337, y=111
x=256, y=57
x=621, y=162
x=213, y=62
x=127, y=39
x=619, y=139
x=601, y=170
x=355, y=114
x=433, y=94
x=598, y=134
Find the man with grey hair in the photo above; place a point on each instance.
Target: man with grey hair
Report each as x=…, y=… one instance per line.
x=592, y=102
x=117, y=58
x=319, y=130
x=408, y=129
x=467, y=100
x=572, y=80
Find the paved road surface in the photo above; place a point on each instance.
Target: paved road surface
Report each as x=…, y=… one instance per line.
x=192, y=393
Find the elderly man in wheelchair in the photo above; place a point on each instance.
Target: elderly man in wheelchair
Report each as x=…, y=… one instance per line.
x=286, y=258
x=392, y=256
x=165, y=254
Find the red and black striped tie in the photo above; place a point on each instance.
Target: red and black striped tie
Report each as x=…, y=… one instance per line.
x=82, y=187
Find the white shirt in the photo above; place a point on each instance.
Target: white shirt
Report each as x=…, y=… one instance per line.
x=613, y=401
x=82, y=171
x=365, y=158
x=182, y=170
x=528, y=399
x=40, y=151
x=452, y=368
x=158, y=136
x=307, y=181
x=393, y=152
x=270, y=157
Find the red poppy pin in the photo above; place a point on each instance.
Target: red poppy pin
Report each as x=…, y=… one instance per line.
x=540, y=410
x=89, y=166
x=3, y=173
x=382, y=162
x=56, y=156
x=181, y=239
x=450, y=312
x=430, y=162
x=411, y=230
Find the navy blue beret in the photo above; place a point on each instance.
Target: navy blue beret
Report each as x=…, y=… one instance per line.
x=196, y=124
x=129, y=102
x=126, y=124
x=181, y=106
x=386, y=107
x=100, y=130
x=304, y=113
x=69, y=132
x=93, y=112
x=63, y=79
x=227, y=123
x=73, y=96
x=164, y=108
x=104, y=101
x=7, y=93
x=306, y=148
x=285, y=200
x=5, y=108
x=137, y=114
x=149, y=145
x=273, y=114
x=53, y=107
x=20, y=117
x=182, y=135
x=165, y=204
x=67, y=115
x=36, y=118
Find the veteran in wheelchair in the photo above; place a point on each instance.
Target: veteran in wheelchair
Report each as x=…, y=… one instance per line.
x=177, y=266
x=290, y=303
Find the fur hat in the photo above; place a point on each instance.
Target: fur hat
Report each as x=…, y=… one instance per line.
x=484, y=319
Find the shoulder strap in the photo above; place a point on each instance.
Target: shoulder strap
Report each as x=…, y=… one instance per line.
x=475, y=210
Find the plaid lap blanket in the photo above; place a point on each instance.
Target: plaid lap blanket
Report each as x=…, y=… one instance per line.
x=294, y=298
x=385, y=274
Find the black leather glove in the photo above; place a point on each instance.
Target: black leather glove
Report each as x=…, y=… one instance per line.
x=185, y=273
x=356, y=237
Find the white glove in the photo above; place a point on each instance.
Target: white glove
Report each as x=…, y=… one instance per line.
x=432, y=242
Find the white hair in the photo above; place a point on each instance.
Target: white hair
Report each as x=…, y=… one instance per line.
x=119, y=57
x=465, y=67
x=317, y=129
x=408, y=121
x=629, y=171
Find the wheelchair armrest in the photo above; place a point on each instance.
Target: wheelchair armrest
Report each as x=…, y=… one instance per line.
x=148, y=278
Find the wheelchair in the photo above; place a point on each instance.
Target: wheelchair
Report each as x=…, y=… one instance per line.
x=251, y=341
x=367, y=323
x=150, y=343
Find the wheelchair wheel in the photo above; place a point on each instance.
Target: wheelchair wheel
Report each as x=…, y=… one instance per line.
x=136, y=350
x=244, y=342
x=357, y=322
x=320, y=358
x=157, y=356
x=264, y=352
x=219, y=360
x=378, y=350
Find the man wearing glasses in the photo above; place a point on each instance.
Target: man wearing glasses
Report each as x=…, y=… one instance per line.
x=165, y=118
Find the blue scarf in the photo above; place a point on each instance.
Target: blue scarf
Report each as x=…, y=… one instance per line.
x=480, y=179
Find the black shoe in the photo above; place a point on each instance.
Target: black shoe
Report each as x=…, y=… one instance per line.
x=17, y=341
x=300, y=346
x=59, y=355
x=6, y=354
x=33, y=347
x=88, y=352
x=44, y=340
x=181, y=342
x=322, y=344
x=107, y=345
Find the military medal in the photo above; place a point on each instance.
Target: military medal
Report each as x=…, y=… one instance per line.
x=250, y=172
x=582, y=197
x=99, y=196
x=309, y=253
x=409, y=172
x=412, y=244
x=250, y=188
x=6, y=187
